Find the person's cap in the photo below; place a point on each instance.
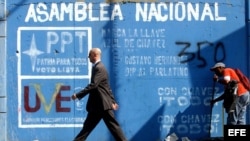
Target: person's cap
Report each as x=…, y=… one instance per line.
x=219, y=64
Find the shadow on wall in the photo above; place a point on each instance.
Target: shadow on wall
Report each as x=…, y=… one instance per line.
x=13, y=9
x=148, y=130
x=112, y=58
x=229, y=50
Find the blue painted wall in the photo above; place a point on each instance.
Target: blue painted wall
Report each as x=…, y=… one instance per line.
x=158, y=55
x=3, y=54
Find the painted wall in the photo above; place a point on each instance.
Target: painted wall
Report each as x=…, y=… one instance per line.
x=158, y=55
x=3, y=93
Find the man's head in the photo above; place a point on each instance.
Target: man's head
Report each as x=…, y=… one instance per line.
x=218, y=68
x=94, y=55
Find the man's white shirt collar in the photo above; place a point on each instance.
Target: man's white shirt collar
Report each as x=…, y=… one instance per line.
x=96, y=62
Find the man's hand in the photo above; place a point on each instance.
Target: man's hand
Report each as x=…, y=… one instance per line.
x=73, y=96
x=215, y=78
x=115, y=106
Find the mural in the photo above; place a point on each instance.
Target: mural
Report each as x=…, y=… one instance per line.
x=158, y=54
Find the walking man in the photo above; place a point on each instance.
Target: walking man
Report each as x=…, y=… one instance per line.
x=101, y=103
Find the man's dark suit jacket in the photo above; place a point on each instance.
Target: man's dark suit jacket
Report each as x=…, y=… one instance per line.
x=100, y=94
